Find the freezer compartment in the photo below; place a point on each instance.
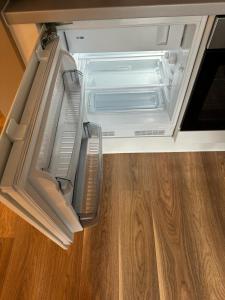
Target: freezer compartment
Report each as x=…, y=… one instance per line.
x=122, y=35
x=88, y=182
x=60, y=142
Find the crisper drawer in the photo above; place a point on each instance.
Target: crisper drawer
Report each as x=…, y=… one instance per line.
x=88, y=182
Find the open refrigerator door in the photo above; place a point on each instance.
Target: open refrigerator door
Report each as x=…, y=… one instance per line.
x=43, y=145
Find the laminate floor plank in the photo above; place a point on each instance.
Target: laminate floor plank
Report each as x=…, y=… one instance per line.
x=207, y=230
x=189, y=235
x=119, y=255
x=39, y=269
x=161, y=235
x=139, y=278
x=7, y=222
x=100, y=259
x=6, y=245
x=175, y=281
x=132, y=172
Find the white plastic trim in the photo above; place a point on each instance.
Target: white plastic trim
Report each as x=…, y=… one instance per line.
x=15, y=131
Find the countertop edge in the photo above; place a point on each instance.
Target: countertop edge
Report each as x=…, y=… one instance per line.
x=122, y=12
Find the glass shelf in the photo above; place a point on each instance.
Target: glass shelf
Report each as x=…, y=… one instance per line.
x=125, y=73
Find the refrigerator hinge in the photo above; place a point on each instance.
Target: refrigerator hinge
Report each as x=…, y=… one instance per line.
x=15, y=131
x=49, y=35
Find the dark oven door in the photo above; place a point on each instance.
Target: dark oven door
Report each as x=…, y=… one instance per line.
x=206, y=108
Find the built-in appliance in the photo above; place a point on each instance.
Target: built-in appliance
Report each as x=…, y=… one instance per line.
x=85, y=81
x=206, y=108
x=135, y=71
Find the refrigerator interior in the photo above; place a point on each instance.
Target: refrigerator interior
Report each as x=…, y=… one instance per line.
x=133, y=75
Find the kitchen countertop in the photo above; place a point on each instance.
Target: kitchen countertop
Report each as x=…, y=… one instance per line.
x=37, y=11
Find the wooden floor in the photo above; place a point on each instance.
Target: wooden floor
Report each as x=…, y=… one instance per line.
x=161, y=235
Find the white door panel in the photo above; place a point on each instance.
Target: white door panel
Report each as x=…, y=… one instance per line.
x=19, y=187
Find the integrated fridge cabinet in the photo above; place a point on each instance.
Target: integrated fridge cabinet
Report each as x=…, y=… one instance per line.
x=87, y=81
x=135, y=71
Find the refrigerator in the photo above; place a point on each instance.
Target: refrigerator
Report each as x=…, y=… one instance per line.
x=86, y=82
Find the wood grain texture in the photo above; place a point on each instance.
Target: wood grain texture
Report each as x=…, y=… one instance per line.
x=39, y=269
x=161, y=235
x=188, y=216
x=139, y=278
x=7, y=222
x=2, y=121
x=100, y=259
x=6, y=245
